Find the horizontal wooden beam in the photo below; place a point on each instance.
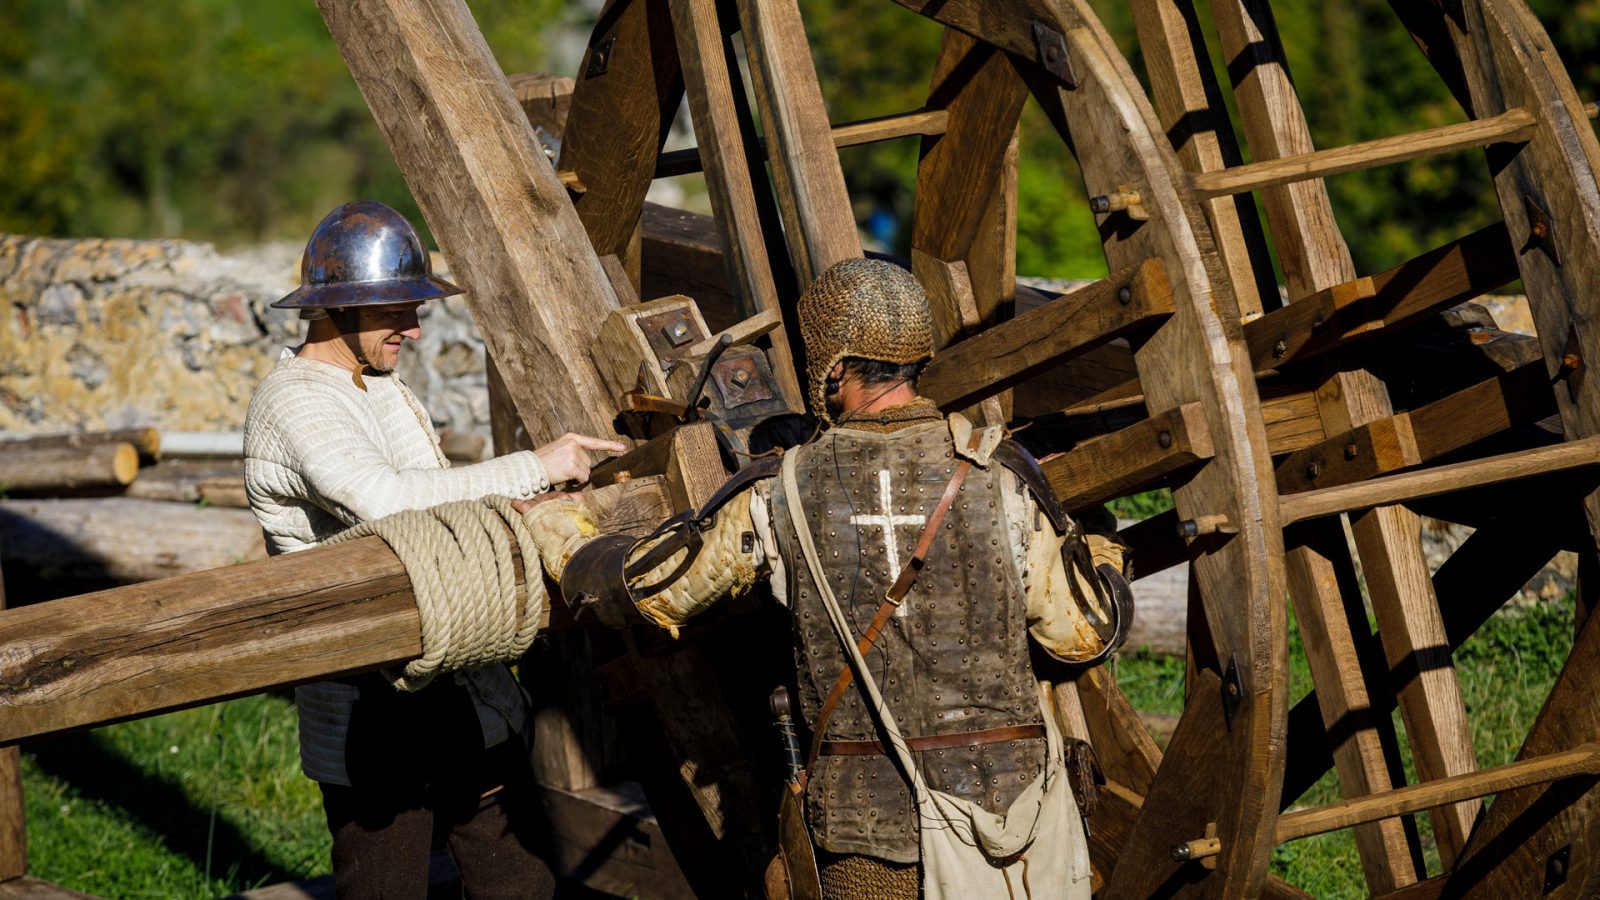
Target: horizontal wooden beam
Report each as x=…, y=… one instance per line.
x=1439, y=480
x=192, y=639
x=1407, y=439
x=1582, y=760
x=1131, y=459
x=1511, y=126
x=986, y=364
x=1373, y=304
x=922, y=122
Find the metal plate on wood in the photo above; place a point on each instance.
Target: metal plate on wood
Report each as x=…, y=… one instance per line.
x=600, y=58
x=1232, y=691
x=740, y=381
x=1053, y=55
x=1555, y=868
x=670, y=333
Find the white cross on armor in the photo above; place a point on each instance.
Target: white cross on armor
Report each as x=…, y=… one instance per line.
x=887, y=522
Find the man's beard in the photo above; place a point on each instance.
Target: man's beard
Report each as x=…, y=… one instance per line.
x=377, y=361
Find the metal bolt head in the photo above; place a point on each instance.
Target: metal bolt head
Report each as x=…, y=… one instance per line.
x=1351, y=451
x=1125, y=296
x=740, y=378
x=1313, y=470
x=1280, y=349
x=679, y=329
x=1232, y=689
x=1188, y=528
x=1052, y=53
x=1164, y=439
x=1571, y=361
x=1100, y=204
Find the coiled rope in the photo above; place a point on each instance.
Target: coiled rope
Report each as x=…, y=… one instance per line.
x=463, y=575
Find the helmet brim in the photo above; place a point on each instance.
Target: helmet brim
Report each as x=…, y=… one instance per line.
x=368, y=293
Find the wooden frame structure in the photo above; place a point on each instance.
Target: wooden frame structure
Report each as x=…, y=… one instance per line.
x=1268, y=421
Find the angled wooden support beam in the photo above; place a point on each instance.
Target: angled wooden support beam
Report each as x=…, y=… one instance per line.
x=1511, y=126
x=1411, y=438
x=13, y=815
x=1131, y=459
x=818, y=221
x=921, y=122
x=980, y=366
x=1189, y=101
x=491, y=197
x=1440, y=480
x=730, y=182
x=1360, y=308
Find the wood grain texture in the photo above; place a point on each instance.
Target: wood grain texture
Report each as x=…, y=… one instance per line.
x=1010, y=352
x=13, y=814
x=1187, y=98
x=1195, y=356
x=845, y=134
x=145, y=440
x=123, y=539
x=817, y=219
x=1360, y=308
x=729, y=183
x=50, y=468
x=1133, y=459
x=1511, y=126
x=490, y=196
x=621, y=110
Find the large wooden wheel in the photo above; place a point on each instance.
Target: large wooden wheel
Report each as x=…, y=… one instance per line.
x=1268, y=421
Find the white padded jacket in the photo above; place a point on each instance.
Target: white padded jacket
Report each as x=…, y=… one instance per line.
x=322, y=454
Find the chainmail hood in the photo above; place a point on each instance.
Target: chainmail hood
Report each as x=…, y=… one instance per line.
x=866, y=308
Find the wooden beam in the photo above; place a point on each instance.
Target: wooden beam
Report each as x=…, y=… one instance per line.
x=1012, y=351
x=122, y=539
x=627, y=94
x=13, y=813
x=1584, y=760
x=145, y=440
x=1440, y=480
x=729, y=179
x=1131, y=459
x=1362, y=308
x=817, y=218
x=491, y=198
x=1192, y=111
x=1514, y=125
x=1411, y=438
x=923, y=122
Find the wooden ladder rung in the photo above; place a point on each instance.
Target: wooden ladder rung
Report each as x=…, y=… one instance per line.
x=1394, y=489
x=1581, y=760
x=1292, y=826
x=925, y=122
x=1510, y=126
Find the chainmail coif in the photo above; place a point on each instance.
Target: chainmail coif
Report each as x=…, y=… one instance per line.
x=867, y=308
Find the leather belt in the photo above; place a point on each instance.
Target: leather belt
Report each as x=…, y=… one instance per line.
x=938, y=741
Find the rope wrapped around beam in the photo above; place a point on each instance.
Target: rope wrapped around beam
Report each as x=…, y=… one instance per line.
x=463, y=575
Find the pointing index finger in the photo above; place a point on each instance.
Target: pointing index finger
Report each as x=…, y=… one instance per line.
x=593, y=443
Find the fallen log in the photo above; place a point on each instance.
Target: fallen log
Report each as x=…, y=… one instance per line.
x=64, y=468
x=122, y=539
x=180, y=480
x=145, y=440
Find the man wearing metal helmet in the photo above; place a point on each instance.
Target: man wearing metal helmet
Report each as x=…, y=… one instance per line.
x=918, y=556
x=333, y=438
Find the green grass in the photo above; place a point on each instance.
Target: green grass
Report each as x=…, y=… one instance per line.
x=1506, y=671
x=201, y=803
x=210, y=801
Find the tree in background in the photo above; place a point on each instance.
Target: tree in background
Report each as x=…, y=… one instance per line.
x=230, y=121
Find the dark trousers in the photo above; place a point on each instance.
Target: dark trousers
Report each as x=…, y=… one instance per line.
x=420, y=775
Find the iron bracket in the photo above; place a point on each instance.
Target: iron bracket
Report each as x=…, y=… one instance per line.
x=1053, y=55
x=1232, y=691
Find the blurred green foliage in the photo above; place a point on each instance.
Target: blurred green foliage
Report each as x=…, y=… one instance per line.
x=236, y=121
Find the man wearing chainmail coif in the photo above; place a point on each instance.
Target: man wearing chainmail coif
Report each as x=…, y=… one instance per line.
x=332, y=439
x=917, y=556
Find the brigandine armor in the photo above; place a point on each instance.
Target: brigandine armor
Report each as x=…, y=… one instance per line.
x=954, y=658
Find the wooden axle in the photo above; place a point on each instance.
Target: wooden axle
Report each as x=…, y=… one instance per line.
x=1440, y=480
x=1582, y=760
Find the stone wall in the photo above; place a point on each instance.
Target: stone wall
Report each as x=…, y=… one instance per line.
x=119, y=333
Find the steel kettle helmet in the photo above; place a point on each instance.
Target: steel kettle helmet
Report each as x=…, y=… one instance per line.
x=364, y=254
